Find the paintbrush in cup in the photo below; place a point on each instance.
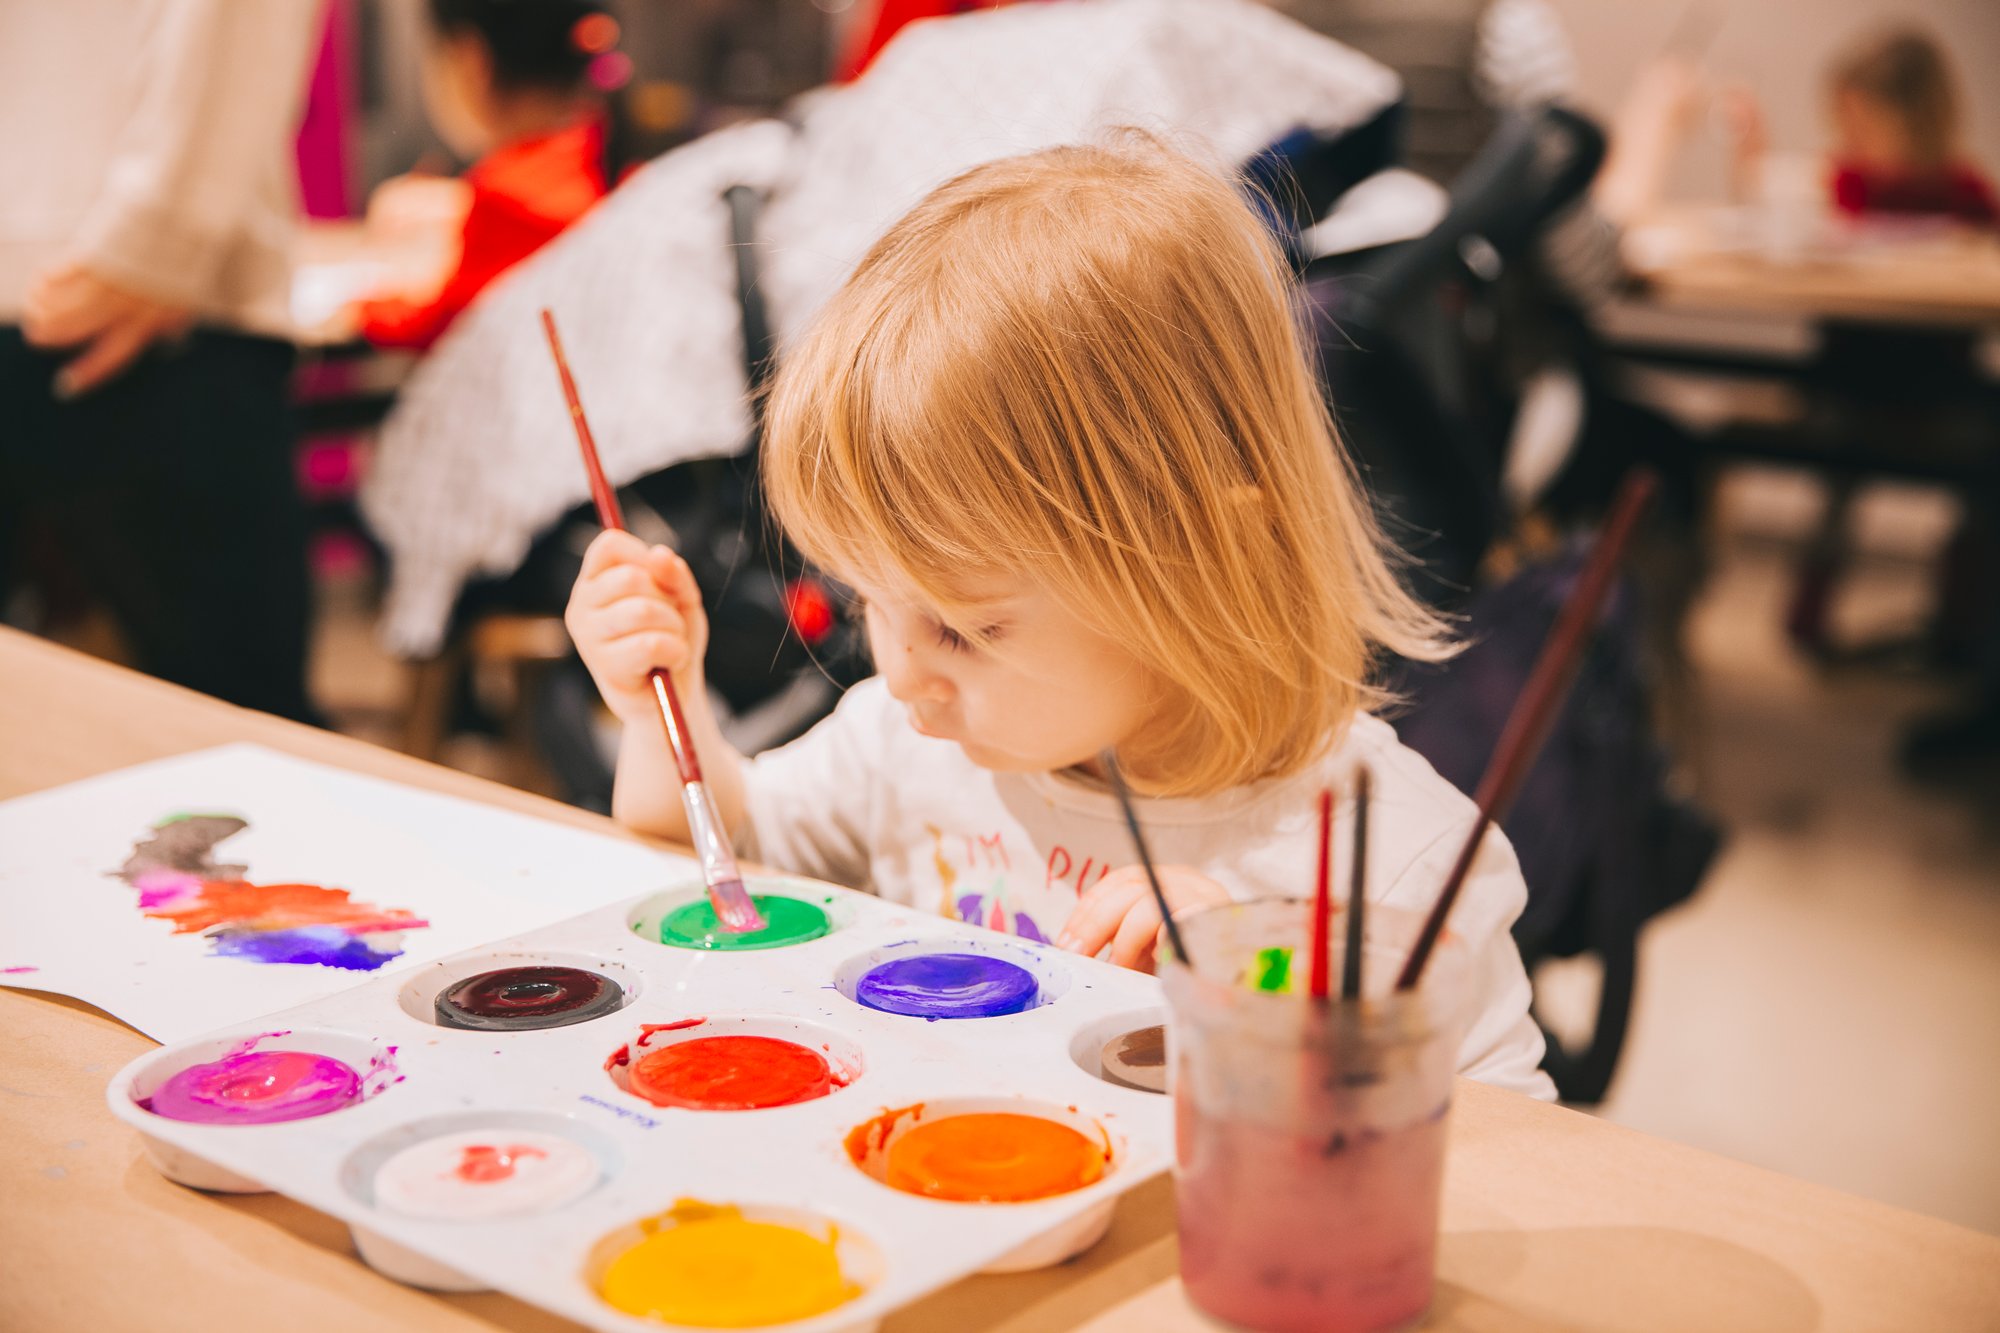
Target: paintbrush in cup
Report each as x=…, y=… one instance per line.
x=734, y=908
x=1528, y=724
x=1322, y=910
x=1124, y=793
x=1357, y=898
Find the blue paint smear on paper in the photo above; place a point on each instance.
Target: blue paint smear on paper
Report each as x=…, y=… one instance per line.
x=329, y=946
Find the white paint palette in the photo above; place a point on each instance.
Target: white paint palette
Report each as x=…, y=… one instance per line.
x=788, y=1164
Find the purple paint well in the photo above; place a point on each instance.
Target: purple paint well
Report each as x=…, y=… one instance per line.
x=257, y=1088
x=948, y=985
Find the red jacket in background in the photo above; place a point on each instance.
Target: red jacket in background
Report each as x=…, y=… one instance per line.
x=1959, y=191
x=523, y=196
x=891, y=17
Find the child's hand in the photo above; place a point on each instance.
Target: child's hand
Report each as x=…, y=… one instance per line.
x=633, y=608
x=1120, y=912
x=1742, y=119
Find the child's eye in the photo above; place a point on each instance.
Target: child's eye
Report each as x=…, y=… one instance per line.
x=952, y=641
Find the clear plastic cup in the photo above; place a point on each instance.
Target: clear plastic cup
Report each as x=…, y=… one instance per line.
x=1309, y=1137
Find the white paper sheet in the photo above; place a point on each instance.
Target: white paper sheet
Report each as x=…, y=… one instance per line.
x=475, y=873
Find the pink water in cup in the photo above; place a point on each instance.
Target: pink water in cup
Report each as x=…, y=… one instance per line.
x=1309, y=1137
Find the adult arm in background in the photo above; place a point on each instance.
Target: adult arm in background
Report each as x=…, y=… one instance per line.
x=190, y=215
x=1525, y=59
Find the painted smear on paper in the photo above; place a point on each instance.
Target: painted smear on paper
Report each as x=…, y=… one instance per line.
x=181, y=882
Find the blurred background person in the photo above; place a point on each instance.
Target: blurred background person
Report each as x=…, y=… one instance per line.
x=145, y=275
x=1898, y=136
x=873, y=31
x=513, y=86
x=1898, y=156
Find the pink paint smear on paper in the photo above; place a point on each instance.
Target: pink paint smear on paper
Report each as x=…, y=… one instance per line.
x=179, y=881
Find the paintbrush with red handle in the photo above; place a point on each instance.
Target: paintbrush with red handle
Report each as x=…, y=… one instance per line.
x=1528, y=725
x=734, y=908
x=1319, y=980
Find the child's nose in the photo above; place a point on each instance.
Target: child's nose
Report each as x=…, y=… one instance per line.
x=907, y=671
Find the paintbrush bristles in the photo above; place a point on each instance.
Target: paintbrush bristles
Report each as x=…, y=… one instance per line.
x=1124, y=794
x=1357, y=891
x=1322, y=908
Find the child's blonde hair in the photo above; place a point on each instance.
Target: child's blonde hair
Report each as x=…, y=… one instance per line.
x=1906, y=72
x=1081, y=367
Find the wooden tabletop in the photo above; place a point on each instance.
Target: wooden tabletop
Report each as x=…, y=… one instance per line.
x=1710, y=259
x=1552, y=1220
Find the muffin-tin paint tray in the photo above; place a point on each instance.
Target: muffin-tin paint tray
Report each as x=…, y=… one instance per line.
x=587, y=1167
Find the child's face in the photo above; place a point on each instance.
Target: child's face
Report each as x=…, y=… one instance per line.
x=1036, y=691
x=1870, y=131
x=458, y=94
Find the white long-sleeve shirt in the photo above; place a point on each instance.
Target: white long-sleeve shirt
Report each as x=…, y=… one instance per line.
x=865, y=800
x=151, y=140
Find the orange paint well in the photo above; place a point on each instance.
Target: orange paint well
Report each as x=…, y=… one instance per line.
x=982, y=1157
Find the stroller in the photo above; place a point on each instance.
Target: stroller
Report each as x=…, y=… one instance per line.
x=1422, y=347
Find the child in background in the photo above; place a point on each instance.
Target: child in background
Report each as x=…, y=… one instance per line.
x=1896, y=112
x=511, y=83
x=1059, y=432
x=1897, y=137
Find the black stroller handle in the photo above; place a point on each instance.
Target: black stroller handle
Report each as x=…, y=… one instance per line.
x=1535, y=165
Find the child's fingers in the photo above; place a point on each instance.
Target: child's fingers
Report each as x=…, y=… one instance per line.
x=636, y=655
x=629, y=615
x=1138, y=935
x=618, y=582
x=672, y=576
x=610, y=548
x=1096, y=918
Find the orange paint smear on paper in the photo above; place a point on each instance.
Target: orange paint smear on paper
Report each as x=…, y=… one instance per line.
x=263, y=907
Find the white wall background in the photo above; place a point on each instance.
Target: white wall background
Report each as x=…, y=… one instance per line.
x=1782, y=48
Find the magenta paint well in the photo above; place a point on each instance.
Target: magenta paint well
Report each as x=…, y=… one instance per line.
x=314, y=1074
x=257, y=1088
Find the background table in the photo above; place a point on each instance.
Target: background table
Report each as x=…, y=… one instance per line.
x=1702, y=259
x=1868, y=354
x=1552, y=1219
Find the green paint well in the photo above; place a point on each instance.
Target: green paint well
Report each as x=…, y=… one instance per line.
x=786, y=921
